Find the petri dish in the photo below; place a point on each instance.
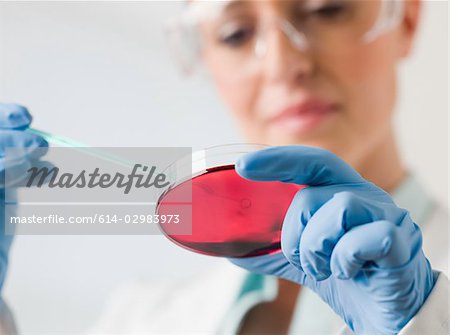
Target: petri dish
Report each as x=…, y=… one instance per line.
x=231, y=216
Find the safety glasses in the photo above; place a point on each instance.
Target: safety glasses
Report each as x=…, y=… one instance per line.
x=237, y=33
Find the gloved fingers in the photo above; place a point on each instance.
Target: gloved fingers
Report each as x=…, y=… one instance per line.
x=303, y=206
x=297, y=164
x=341, y=213
x=377, y=243
x=23, y=144
x=14, y=172
x=13, y=116
x=25, y=150
x=275, y=264
x=19, y=176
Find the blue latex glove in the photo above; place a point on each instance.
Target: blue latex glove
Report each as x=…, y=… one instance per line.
x=13, y=120
x=345, y=239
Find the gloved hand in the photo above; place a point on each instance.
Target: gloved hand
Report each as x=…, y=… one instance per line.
x=345, y=239
x=14, y=119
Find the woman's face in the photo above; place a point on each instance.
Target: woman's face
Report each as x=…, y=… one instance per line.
x=338, y=93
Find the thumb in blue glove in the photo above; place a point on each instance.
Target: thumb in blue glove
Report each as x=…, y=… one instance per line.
x=345, y=239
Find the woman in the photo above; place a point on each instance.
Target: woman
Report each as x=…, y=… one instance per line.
x=320, y=74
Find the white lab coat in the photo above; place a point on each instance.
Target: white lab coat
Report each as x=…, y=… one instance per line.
x=203, y=304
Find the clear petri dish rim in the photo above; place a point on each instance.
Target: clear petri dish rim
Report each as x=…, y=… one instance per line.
x=201, y=161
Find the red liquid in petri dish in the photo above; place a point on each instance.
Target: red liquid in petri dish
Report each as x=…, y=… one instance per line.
x=231, y=216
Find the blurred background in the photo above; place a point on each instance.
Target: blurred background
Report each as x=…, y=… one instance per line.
x=101, y=73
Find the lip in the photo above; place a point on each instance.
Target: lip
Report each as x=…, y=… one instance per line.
x=303, y=116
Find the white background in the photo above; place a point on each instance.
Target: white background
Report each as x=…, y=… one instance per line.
x=101, y=73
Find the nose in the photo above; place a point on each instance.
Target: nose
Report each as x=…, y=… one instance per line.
x=286, y=57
